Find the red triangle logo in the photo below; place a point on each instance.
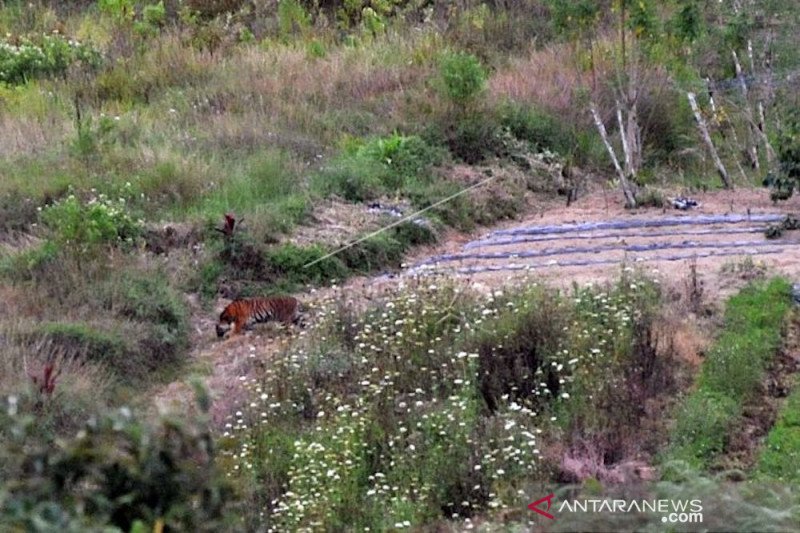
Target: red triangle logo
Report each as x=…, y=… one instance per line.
x=535, y=506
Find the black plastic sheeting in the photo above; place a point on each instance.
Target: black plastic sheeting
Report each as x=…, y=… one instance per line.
x=587, y=262
x=504, y=241
x=699, y=220
x=647, y=247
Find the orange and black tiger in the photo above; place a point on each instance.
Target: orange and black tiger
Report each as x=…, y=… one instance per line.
x=243, y=313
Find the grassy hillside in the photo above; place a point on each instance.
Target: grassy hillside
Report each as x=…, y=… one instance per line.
x=131, y=129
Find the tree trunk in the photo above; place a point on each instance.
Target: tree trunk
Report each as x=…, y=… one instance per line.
x=627, y=189
x=701, y=125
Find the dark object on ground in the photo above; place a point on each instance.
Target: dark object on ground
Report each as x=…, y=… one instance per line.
x=683, y=203
x=391, y=210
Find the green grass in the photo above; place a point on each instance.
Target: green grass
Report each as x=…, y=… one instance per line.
x=731, y=373
x=780, y=456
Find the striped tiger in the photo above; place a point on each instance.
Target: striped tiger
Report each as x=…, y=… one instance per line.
x=243, y=313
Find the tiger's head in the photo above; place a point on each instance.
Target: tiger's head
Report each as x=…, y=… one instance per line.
x=226, y=319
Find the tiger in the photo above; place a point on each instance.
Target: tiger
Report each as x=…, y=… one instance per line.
x=245, y=312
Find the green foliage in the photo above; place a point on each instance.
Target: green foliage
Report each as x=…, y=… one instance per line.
x=26, y=58
x=119, y=10
x=151, y=301
x=542, y=130
x=379, y=166
x=427, y=404
x=83, y=226
x=153, y=18
x=789, y=147
x=781, y=453
x=650, y=197
x=289, y=262
x=574, y=18
x=88, y=342
x=732, y=371
x=115, y=474
x=292, y=18
x=687, y=23
x=473, y=137
x=26, y=265
x=463, y=77
x=642, y=19
x=704, y=423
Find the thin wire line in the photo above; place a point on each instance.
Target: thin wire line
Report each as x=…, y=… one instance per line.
x=398, y=222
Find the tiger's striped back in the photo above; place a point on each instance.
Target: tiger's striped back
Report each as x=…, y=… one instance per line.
x=243, y=313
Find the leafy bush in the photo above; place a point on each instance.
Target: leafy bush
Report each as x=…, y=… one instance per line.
x=783, y=184
x=704, y=422
x=463, y=77
x=289, y=261
x=83, y=226
x=26, y=265
x=213, y=8
x=26, y=58
x=115, y=473
x=472, y=137
x=405, y=158
x=542, y=130
x=149, y=300
x=379, y=166
x=80, y=339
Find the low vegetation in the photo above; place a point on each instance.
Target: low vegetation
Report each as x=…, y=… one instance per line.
x=158, y=157
x=436, y=403
x=732, y=373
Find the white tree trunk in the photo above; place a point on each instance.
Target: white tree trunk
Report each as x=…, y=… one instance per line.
x=627, y=190
x=701, y=125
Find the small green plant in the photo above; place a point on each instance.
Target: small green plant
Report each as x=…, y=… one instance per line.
x=82, y=226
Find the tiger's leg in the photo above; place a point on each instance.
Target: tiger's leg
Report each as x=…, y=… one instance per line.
x=239, y=326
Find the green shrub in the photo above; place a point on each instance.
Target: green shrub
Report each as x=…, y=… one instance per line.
x=463, y=77
x=380, y=166
x=28, y=58
x=28, y=264
x=83, y=226
x=85, y=340
x=473, y=138
x=354, y=179
x=293, y=18
x=542, y=130
x=116, y=474
x=148, y=299
x=405, y=158
x=289, y=261
x=213, y=8
x=16, y=212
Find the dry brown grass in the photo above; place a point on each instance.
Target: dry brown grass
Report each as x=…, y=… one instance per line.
x=545, y=78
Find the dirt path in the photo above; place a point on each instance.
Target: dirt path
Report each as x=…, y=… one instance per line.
x=586, y=243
